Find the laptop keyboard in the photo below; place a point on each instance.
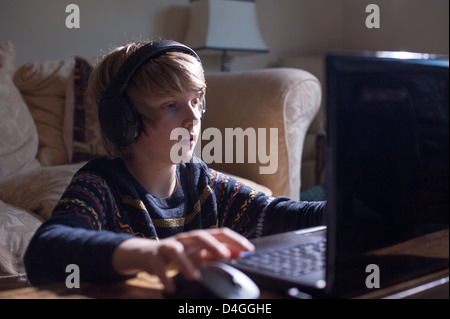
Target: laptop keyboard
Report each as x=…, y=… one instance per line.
x=291, y=261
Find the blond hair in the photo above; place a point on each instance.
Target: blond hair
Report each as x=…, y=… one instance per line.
x=169, y=74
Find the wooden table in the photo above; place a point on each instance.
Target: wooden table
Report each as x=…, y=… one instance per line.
x=146, y=286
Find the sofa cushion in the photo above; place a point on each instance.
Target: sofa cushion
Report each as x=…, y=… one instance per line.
x=19, y=137
x=38, y=190
x=17, y=226
x=44, y=86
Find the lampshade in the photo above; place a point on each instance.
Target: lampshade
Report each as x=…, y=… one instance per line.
x=224, y=25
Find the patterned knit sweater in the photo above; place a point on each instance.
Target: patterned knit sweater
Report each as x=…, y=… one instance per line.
x=104, y=205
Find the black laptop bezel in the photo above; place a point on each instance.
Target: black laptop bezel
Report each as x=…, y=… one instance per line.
x=342, y=281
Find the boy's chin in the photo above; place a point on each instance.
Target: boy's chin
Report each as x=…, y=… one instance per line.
x=183, y=158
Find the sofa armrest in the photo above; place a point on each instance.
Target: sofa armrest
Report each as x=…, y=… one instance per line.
x=283, y=98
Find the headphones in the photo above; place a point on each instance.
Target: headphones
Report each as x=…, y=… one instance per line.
x=119, y=119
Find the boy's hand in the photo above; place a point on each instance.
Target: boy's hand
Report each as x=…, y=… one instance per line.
x=182, y=252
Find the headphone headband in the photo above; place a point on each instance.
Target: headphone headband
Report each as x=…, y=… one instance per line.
x=119, y=120
x=150, y=51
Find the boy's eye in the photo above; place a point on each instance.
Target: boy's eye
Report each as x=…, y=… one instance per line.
x=169, y=106
x=196, y=102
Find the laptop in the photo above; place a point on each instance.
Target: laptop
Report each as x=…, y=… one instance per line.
x=387, y=180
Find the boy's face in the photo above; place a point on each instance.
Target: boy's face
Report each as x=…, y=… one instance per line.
x=180, y=113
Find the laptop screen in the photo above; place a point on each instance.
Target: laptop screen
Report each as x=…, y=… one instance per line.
x=387, y=161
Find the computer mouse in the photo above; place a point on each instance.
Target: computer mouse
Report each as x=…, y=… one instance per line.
x=217, y=281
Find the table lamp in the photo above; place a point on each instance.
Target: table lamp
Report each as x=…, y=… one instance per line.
x=228, y=27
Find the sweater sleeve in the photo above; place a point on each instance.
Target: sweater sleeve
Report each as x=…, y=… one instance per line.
x=56, y=246
x=75, y=234
x=253, y=214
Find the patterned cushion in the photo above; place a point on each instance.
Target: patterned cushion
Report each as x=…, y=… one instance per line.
x=44, y=86
x=86, y=131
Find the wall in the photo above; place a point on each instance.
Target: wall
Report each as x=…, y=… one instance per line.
x=37, y=27
x=290, y=27
x=406, y=25
x=313, y=27
x=295, y=27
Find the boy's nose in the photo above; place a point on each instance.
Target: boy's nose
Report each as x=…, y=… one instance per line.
x=194, y=112
x=192, y=116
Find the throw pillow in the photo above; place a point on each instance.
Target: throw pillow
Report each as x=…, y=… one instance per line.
x=19, y=137
x=43, y=85
x=38, y=190
x=17, y=226
x=86, y=128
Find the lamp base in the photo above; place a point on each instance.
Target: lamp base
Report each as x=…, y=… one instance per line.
x=225, y=61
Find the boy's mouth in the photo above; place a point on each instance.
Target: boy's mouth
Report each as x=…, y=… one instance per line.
x=190, y=140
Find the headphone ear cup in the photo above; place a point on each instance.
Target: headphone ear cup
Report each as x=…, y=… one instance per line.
x=119, y=120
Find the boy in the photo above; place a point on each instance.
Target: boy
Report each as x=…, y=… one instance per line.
x=138, y=210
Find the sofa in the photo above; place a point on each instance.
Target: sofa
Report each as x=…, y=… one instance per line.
x=313, y=158
x=47, y=134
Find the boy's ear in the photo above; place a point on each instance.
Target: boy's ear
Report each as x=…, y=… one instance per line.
x=145, y=126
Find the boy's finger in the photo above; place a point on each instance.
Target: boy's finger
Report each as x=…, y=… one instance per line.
x=178, y=258
x=233, y=239
x=196, y=241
